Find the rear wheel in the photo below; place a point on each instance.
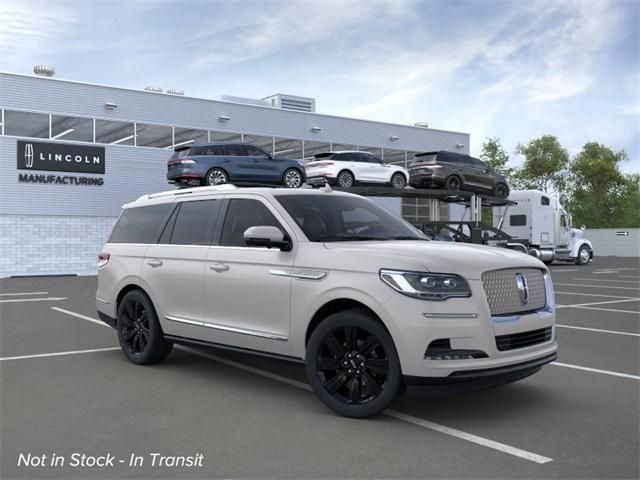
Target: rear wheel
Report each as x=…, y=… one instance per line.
x=453, y=184
x=345, y=179
x=352, y=364
x=292, y=178
x=139, y=331
x=584, y=255
x=398, y=181
x=216, y=176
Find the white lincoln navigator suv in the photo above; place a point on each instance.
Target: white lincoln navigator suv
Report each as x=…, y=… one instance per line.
x=326, y=278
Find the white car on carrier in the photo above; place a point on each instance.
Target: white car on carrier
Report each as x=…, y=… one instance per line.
x=345, y=169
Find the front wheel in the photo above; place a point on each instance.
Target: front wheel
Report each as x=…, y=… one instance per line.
x=139, y=332
x=584, y=255
x=398, y=181
x=292, y=178
x=352, y=364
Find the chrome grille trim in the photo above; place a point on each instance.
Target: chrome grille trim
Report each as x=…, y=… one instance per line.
x=501, y=289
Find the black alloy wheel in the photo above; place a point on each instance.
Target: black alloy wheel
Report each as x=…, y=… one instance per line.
x=139, y=332
x=216, y=176
x=501, y=191
x=292, y=178
x=352, y=364
x=453, y=184
x=345, y=179
x=398, y=181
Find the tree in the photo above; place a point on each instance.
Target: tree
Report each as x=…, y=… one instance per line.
x=601, y=196
x=495, y=156
x=545, y=164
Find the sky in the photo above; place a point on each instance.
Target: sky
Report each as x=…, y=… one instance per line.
x=509, y=69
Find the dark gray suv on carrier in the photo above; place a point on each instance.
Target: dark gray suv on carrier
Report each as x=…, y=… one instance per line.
x=235, y=162
x=456, y=171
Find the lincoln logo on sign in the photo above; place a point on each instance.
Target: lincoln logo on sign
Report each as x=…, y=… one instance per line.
x=60, y=157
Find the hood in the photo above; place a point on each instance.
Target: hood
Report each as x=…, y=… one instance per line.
x=439, y=257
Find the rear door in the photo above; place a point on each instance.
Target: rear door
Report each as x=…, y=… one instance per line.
x=263, y=168
x=174, y=267
x=235, y=161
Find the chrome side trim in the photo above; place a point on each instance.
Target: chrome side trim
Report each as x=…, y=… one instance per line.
x=241, y=331
x=299, y=273
x=184, y=320
x=450, y=315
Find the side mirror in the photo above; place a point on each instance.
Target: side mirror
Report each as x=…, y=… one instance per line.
x=583, y=228
x=266, y=236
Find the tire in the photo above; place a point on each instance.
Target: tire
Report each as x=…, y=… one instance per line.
x=584, y=255
x=453, y=184
x=139, y=331
x=292, y=178
x=501, y=191
x=372, y=378
x=398, y=181
x=345, y=179
x=216, y=176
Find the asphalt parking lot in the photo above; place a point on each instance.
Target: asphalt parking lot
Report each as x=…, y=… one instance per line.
x=65, y=389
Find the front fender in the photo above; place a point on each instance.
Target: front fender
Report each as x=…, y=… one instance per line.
x=575, y=246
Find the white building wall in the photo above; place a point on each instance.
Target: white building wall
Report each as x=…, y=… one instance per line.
x=611, y=242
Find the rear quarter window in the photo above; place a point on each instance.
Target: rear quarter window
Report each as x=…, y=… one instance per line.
x=141, y=224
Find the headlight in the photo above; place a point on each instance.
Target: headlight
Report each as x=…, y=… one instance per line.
x=427, y=286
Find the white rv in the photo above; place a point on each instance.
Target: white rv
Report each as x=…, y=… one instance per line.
x=540, y=225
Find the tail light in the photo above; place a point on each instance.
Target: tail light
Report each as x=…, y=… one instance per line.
x=103, y=259
x=435, y=165
x=184, y=161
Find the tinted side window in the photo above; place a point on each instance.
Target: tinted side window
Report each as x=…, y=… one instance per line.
x=518, y=220
x=209, y=150
x=191, y=224
x=544, y=201
x=254, y=151
x=233, y=150
x=140, y=224
x=242, y=214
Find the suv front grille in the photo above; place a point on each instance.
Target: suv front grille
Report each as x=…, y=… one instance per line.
x=504, y=296
x=523, y=339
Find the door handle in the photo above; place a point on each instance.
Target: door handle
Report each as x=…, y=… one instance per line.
x=156, y=262
x=219, y=267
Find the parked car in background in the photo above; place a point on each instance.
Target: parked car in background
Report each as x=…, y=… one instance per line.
x=456, y=171
x=236, y=162
x=346, y=169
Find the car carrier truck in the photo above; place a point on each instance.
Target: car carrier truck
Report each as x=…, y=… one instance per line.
x=539, y=225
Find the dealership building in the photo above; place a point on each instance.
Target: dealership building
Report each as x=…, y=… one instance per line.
x=72, y=153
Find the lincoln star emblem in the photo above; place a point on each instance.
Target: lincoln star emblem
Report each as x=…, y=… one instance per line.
x=28, y=155
x=523, y=288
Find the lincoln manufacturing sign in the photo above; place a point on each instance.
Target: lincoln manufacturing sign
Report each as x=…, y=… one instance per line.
x=60, y=157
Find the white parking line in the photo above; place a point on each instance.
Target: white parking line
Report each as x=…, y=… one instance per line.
x=23, y=293
x=596, y=370
x=78, y=315
x=609, y=310
x=58, y=354
x=628, y=276
x=46, y=299
x=568, y=270
x=598, y=330
x=604, y=280
x=485, y=442
x=588, y=304
x=596, y=286
x=589, y=294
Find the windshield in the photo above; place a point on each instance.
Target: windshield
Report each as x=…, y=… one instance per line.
x=337, y=218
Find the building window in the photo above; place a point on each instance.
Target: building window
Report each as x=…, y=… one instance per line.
x=313, y=148
x=288, y=148
x=264, y=143
x=225, y=137
x=26, y=124
x=395, y=157
x=71, y=128
x=157, y=136
x=115, y=133
x=183, y=136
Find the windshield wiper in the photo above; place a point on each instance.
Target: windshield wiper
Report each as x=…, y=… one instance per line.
x=407, y=237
